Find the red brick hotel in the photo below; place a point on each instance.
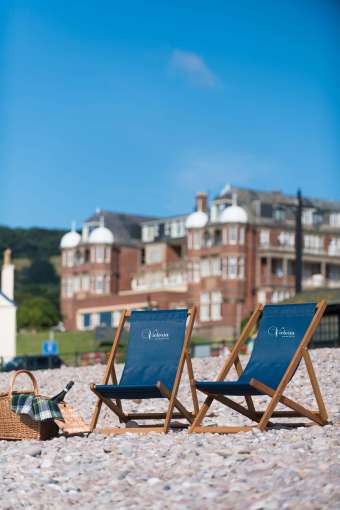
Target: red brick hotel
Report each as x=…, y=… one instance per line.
x=224, y=257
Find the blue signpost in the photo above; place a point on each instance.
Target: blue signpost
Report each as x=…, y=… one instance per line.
x=50, y=347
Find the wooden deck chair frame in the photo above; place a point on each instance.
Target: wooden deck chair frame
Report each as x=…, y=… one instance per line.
x=262, y=417
x=117, y=407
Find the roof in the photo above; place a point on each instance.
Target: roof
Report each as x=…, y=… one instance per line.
x=332, y=296
x=7, y=299
x=126, y=228
x=247, y=195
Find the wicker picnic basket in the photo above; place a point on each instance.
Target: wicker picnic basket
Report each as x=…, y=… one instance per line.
x=15, y=426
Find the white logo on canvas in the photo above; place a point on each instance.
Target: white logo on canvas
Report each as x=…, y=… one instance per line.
x=154, y=334
x=281, y=332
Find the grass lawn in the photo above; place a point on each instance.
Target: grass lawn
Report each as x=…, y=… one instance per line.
x=70, y=343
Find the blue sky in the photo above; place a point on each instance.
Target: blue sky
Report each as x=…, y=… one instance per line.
x=134, y=106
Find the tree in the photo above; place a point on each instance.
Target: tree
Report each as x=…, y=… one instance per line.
x=37, y=313
x=40, y=271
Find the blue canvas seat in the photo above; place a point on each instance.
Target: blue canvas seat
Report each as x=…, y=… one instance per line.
x=156, y=342
x=284, y=332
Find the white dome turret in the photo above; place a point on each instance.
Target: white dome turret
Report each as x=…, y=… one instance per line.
x=197, y=219
x=70, y=239
x=101, y=234
x=234, y=213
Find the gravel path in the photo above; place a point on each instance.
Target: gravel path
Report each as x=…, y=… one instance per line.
x=278, y=469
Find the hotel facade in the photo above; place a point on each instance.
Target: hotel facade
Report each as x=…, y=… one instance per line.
x=225, y=257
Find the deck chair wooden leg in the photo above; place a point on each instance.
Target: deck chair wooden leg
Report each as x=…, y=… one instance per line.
x=95, y=416
x=201, y=413
x=287, y=402
x=111, y=406
x=315, y=385
x=115, y=381
x=192, y=384
x=182, y=360
x=109, y=370
x=164, y=390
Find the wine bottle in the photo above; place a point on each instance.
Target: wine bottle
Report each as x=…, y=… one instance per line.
x=60, y=396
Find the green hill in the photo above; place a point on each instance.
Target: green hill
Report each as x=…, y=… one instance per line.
x=36, y=256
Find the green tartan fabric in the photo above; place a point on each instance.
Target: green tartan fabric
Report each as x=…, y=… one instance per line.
x=38, y=408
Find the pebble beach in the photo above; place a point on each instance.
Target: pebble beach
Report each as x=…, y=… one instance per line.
x=279, y=469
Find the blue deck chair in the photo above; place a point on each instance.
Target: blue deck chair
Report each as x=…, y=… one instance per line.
x=282, y=339
x=158, y=348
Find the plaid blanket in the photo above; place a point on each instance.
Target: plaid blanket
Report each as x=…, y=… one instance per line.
x=38, y=408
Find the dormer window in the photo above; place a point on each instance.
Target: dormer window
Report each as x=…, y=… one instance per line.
x=317, y=218
x=334, y=219
x=279, y=214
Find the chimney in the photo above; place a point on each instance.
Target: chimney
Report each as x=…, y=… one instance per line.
x=7, y=276
x=201, y=201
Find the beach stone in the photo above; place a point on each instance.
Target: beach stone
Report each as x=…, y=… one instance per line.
x=281, y=469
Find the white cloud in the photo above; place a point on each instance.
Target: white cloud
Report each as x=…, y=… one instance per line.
x=193, y=67
x=205, y=170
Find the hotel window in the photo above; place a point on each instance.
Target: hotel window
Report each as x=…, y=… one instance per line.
x=177, y=228
x=208, y=239
x=149, y=232
x=64, y=258
x=76, y=283
x=277, y=267
x=225, y=235
x=216, y=305
x=334, y=246
x=333, y=272
x=232, y=237
x=67, y=287
x=291, y=267
x=107, y=254
x=313, y=243
x=241, y=268
x=205, y=267
x=307, y=216
x=85, y=282
x=310, y=268
x=116, y=318
x=105, y=319
x=107, y=284
x=215, y=263
x=264, y=237
x=197, y=240
x=100, y=253
x=87, y=320
x=210, y=306
x=204, y=307
x=280, y=295
x=241, y=235
x=210, y=266
x=334, y=219
x=189, y=241
x=99, y=284
x=70, y=258
x=279, y=214
x=233, y=267
x=286, y=239
x=154, y=254
x=196, y=271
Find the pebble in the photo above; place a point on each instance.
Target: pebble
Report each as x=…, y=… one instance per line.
x=281, y=469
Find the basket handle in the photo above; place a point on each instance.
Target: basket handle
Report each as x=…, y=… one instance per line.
x=30, y=375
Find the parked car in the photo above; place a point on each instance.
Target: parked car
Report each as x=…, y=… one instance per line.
x=36, y=362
